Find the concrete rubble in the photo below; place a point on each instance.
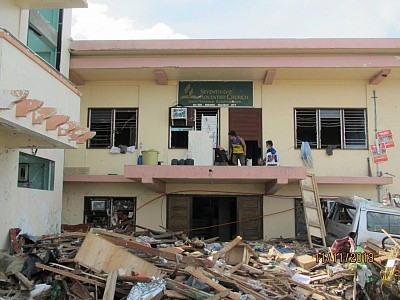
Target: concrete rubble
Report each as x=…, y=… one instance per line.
x=148, y=264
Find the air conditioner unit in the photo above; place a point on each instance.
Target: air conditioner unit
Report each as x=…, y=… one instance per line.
x=178, y=113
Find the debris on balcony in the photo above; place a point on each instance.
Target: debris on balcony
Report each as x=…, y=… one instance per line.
x=149, y=264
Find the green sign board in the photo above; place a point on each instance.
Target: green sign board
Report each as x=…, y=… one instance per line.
x=215, y=93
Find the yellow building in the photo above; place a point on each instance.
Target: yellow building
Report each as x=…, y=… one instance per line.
x=173, y=95
x=39, y=110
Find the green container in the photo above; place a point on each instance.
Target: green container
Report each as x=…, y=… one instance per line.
x=150, y=157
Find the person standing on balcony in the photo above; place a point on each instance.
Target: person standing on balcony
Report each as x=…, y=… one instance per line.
x=271, y=156
x=237, y=149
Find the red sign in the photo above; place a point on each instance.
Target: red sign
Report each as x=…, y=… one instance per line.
x=379, y=154
x=386, y=137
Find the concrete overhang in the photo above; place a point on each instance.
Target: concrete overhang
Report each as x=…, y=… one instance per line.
x=263, y=60
x=51, y=4
x=157, y=177
x=38, y=105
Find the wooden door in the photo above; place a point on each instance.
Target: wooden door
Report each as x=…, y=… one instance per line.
x=179, y=212
x=250, y=218
x=247, y=122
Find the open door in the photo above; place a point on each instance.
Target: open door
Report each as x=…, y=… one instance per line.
x=179, y=212
x=250, y=213
x=247, y=122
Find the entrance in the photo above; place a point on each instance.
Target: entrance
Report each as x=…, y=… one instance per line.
x=216, y=216
x=247, y=122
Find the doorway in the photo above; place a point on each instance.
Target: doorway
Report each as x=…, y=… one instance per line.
x=212, y=212
x=247, y=122
x=216, y=216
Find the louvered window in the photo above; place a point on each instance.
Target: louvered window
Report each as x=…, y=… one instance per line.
x=113, y=127
x=339, y=128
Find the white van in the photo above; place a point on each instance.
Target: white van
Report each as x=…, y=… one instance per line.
x=363, y=217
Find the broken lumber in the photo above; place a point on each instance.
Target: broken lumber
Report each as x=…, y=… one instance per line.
x=219, y=288
x=101, y=255
x=219, y=296
x=226, y=248
x=110, y=285
x=186, y=290
x=133, y=245
x=24, y=281
x=65, y=235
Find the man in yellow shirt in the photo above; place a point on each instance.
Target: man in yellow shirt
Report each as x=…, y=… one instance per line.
x=237, y=149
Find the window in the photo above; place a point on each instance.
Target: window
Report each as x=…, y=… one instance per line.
x=104, y=212
x=340, y=128
x=205, y=119
x=113, y=127
x=44, y=34
x=344, y=214
x=35, y=172
x=377, y=221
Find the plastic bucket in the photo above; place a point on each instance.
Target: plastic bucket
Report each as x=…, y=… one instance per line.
x=150, y=157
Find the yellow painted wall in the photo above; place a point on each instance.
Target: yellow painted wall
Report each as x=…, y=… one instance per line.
x=277, y=102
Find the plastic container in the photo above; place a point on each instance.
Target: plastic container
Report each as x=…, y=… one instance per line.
x=150, y=157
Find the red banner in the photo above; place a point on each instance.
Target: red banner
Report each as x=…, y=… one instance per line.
x=379, y=155
x=385, y=137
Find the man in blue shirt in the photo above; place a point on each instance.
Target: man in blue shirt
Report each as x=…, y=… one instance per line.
x=271, y=156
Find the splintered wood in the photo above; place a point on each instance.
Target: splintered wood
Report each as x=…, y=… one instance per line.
x=103, y=256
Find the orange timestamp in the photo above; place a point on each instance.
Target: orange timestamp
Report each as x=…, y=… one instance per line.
x=350, y=257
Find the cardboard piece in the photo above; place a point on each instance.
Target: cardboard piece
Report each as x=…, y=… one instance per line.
x=305, y=261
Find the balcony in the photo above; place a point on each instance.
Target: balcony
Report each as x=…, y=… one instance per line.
x=51, y=4
x=38, y=106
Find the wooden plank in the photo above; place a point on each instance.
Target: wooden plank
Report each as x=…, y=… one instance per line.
x=79, y=290
x=175, y=295
x=186, y=290
x=226, y=248
x=219, y=296
x=235, y=268
x=151, y=251
x=65, y=235
x=219, y=288
x=24, y=281
x=101, y=255
x=110, y=285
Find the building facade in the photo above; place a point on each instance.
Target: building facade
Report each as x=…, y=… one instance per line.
x=182, y=97
x=39, y=113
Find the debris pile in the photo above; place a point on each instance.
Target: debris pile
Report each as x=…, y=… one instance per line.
x=168, y=265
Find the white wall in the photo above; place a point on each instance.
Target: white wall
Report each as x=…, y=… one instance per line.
x=34, y=211
x=10, y=16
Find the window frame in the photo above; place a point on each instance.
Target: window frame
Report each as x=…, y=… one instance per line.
x=191, y=125
x=342, y=112
x=383, y=216
x=112, y=136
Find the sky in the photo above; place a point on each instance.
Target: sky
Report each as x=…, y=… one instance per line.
x=231, y=19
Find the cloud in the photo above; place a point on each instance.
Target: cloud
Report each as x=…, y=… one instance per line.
x=94, y=23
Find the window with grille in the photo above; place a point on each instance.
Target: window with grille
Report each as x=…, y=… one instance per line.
x=114, y=127
x=339, y=128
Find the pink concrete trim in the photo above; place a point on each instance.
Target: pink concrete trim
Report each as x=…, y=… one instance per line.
x=64, y=129
x=333, y=61
x=87, y=136
x=161, y=77
x=53, y=122
x=211, y=173
x=43, y=113
x=236, y=44
x=8, y=98
x=26, y=106
x=75, y=78
x=97, y=178
x=354, y=180
x=77, y=132
x=39, y=62
x=269, y=77
x=377, y=78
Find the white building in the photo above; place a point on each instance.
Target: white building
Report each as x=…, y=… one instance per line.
x=38, y=110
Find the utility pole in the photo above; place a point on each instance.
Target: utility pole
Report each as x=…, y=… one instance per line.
x=378, y=187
